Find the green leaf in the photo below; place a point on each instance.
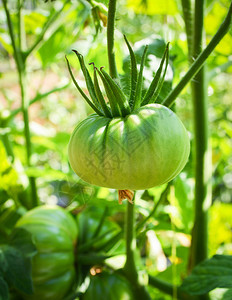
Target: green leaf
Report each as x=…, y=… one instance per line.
x=227, y=295
x=4, y=293
x=34, y=22
x=9, y=216
x=21, y=239
x=4, y=40
x=18, y=273
x=183, y=201
x=3, y=263
x=46, y=173
x=212, y=273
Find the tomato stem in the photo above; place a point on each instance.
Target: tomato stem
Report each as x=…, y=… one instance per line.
x=203, y=159
x=130, y=269
x=22, y=77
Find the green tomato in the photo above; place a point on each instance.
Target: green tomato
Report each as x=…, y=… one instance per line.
x=110, y=286
x=144, y=149
x=54, y=232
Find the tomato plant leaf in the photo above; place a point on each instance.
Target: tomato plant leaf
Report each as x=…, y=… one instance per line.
x=227, y=295
x=4, y=293
x=212, y=273
x=3, y=262
x=18, y=273
x=21, y=239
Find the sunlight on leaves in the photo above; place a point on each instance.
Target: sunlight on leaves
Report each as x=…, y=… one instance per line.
x=167, y=7
x=9, y=179
x=220, y=225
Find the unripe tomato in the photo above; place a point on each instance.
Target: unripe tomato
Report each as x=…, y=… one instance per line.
x=144, y=149
x=54, y=232
x=110, y=286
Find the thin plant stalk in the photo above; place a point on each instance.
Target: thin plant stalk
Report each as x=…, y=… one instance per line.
x=130, y=269
x=21, y=69
x=188, y=19
x=110, y=39
x=198, y=251
x=199, y=248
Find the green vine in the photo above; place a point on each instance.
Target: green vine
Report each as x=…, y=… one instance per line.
x=199, y=247
x=110, y=38
x=21, y=54
x=130, y=269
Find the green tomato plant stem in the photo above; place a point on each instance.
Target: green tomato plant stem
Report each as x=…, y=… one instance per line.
x=188, y=19
x=110, y=38
x=130, y=269
x=200, y=60
x=16, y=52
x=21, y=31
x=22, y=73
x=21, y=54
x=21, y=68
x=199, y=247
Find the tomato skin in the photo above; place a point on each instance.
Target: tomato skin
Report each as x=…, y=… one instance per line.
x=54, y=232
x=144, y=149
x=108, y=286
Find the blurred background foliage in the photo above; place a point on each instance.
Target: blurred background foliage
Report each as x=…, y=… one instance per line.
x=56, y=107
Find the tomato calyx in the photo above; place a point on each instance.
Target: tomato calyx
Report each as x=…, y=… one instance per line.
x=118, y=104
x=125, y=194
